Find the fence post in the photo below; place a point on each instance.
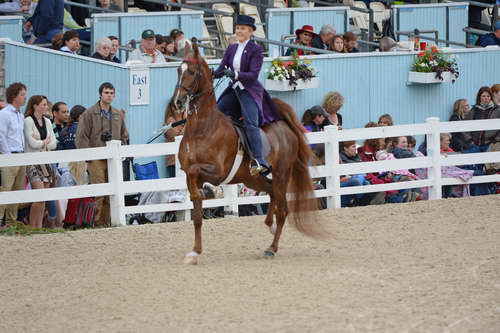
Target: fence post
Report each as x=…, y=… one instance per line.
x=231, y=197
x=115, y=178
x=332, y=158
x=434, y=151
x=180, y=173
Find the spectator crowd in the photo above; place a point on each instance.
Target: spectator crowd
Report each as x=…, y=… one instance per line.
x=486, y=106
x=47, y=127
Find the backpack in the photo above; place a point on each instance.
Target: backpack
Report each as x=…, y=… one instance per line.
x=80, y=213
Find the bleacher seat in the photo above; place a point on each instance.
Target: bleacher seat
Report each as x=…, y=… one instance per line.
x=360, y=20
x=224, y=23
x=279, y=4
x=380, y=13
x=253, y=12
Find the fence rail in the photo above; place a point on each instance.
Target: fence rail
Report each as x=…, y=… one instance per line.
x=116, y=188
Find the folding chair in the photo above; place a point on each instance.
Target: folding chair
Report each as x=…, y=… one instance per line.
x=253, y=12
x=224, y=23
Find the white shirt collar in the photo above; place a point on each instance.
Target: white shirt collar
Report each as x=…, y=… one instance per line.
x=66, y=49
x=10, y=107
x=244, y=44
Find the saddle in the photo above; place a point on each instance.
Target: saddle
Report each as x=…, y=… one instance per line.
x=244, y=146
x=266, y=148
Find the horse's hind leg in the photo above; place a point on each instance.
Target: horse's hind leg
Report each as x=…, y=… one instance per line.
x=269, y=221
x=281, y=214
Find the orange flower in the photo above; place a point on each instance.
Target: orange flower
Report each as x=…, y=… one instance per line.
x=434, y=49
x=421, y=53
x=287, y=63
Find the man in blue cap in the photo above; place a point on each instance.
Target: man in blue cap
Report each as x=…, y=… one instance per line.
x=493, y=38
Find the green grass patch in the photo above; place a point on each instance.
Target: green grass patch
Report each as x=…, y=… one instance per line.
x=20, y=229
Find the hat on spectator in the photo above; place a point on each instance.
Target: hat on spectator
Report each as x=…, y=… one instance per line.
x=175, y=33
x=306, y=28
x=497, y=25
x=246, y=20
x=148, y=33
x=317, y=110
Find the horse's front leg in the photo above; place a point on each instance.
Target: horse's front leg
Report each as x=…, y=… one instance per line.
x=194, y=187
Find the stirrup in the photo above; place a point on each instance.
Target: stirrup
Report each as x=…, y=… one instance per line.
x=257, y=168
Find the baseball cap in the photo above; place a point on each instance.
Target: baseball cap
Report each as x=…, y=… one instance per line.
x=176, y=32
x=318, y=110
x=148, y=34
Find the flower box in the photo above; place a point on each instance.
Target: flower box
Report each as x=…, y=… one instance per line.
x=276, y=85
x=417, y=77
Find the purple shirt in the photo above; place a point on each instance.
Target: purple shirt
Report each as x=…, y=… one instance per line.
x=251, y=63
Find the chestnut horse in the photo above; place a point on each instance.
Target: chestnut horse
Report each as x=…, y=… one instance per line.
x=210, y=144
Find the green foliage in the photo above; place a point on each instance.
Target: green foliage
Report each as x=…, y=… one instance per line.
x=291, y=70
x=432, y=60
x=20, y=229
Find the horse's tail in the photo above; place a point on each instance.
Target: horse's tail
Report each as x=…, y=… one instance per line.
x=302, y=204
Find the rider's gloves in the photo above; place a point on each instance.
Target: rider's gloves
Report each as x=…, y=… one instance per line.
x=229, y=73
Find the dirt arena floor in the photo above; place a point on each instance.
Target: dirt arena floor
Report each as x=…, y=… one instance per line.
x=421, y=267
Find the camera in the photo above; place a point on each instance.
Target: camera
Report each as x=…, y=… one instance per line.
x=106, y=136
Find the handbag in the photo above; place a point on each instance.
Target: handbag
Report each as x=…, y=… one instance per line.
x=146, y=171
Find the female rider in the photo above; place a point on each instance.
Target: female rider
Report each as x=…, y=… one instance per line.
x=245, y=96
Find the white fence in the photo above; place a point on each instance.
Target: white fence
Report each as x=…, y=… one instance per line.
x=116, y=188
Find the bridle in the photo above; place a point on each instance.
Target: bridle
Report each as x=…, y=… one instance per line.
x=190, y=105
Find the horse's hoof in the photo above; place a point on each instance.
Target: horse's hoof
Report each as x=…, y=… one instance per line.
x=191, y=258
x=268, y=254
x=272, y=228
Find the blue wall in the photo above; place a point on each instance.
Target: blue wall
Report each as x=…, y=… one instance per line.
x=284, y=21
x=433, y=17
x=376, y=83
x=63, y=77
x=127, y=26
x=371, y=83
x=11, y=27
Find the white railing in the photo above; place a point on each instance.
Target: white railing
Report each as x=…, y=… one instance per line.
x=116, y=188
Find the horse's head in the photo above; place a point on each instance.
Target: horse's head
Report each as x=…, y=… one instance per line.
x=193, y=77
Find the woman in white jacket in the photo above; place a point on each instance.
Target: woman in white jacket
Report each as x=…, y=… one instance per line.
x=39, y=136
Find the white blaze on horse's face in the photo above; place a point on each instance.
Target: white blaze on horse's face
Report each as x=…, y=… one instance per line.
x=184, y=68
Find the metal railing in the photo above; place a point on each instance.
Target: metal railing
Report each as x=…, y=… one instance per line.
x=180, y=5
x=320, y=2
x=77, y=4
x=469, y=31
x=237, y=9
x=287, y=45
x=417, y=33
x=371, y=22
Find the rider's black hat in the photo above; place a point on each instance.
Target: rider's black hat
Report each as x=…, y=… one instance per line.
x=246, y=20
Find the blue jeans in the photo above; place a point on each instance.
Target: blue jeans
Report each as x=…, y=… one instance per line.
x=47, y=38
x=51, y=209
x=356, y=180
x=250, y=113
